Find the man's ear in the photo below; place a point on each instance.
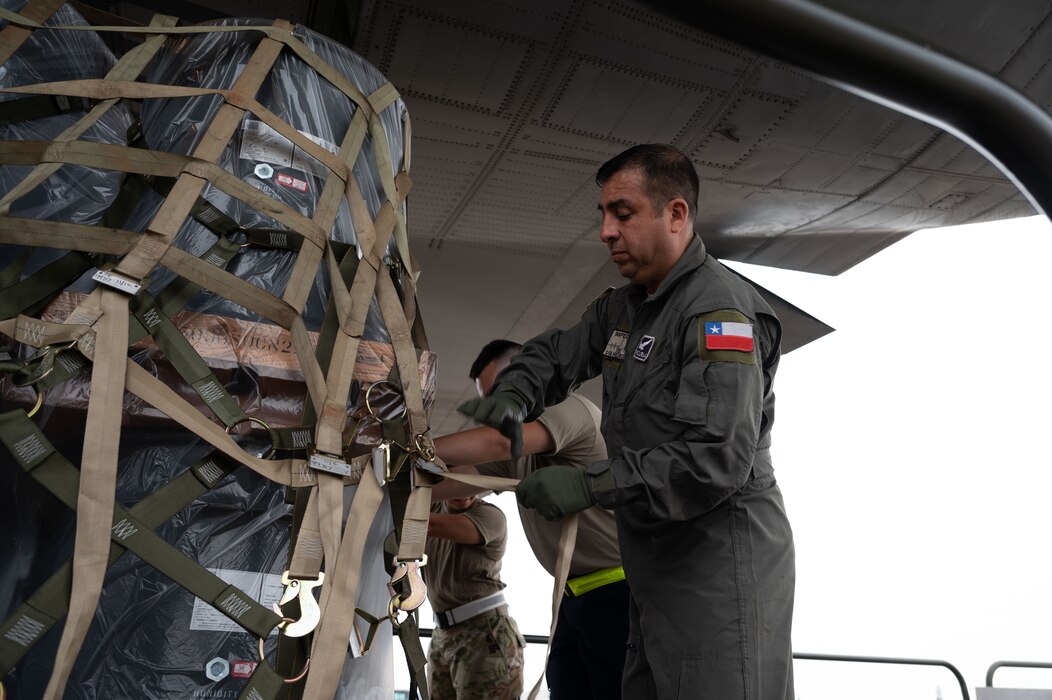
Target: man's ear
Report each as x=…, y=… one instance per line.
x=679, y=214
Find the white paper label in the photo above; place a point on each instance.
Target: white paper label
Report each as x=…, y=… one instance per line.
x=259, y=142
x=263, y=588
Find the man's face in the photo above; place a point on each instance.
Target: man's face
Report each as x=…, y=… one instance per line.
x=459, y=505
x=643, y=243
x=484, y=382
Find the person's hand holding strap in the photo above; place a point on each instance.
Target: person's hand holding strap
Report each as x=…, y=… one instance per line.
x=503, y=410
x=556, y=491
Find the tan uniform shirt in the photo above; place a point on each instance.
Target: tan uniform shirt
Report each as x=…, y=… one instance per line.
x=574, y=427
x=460, y=573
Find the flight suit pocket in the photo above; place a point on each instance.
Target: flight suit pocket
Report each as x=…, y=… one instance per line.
x=692, y=395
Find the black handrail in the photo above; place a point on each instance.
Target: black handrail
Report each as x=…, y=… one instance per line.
x=1012, y=664
x=802, y=656
x=890, y=660
x=1000, y=122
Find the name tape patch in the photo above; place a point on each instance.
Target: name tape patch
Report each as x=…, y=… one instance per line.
x=615, y=347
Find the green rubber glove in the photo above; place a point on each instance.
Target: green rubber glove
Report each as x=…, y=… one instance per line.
x=556, y=491
x=503, y=410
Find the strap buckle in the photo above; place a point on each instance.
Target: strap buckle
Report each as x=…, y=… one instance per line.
x=410, y=571
x=262, y=424
x=310, y=613
x=43, y=364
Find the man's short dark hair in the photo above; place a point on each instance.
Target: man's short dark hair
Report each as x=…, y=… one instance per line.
x=494, y=350
x=667, y=174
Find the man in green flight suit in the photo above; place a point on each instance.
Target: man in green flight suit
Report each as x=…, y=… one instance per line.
x=688, y=352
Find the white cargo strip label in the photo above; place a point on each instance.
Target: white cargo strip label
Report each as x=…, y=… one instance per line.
x=264, y=588
x=261, y=143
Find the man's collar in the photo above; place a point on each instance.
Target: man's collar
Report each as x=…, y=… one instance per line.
x=693, y=257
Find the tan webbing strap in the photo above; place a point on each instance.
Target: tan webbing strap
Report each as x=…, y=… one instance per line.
x=177, y=205
x=37, y=333
x=325, y=213
x=146, y=162
x=321, y=522
x=405, y=354
x=290, y=472
x=97, y=483
x=418, y=508
x=488, y=483
x=130, y=66
x=278, y=32
x=60, y=234
x=342, y=557
x=332, y=412
x=107, y=89
x=385, y=96
x=13, y=36
x=567, y=538
x=415, y=519
x=308, y=554
x=258, y=301
x=229, y=286
x=330, y=519
x=329, y=651
x=329, y=428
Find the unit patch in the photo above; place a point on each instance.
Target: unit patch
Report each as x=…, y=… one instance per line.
x=646, y=344
x=615, y=347
x=726, y=336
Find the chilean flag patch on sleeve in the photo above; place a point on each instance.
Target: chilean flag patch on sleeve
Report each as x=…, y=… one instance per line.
x=728, y=335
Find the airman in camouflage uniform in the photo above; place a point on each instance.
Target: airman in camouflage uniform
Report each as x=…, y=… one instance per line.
x=473, y=655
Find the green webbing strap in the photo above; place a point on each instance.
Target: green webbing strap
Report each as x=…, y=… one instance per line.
x=184, y=358
x=415, y=659
x=296, y=438
x=279, y=238
x=30, y=295
x=39, y=288
x=48, y=604
x=180, y=290
x=50, y=367
x=293, y=651
x=133, y=187
x=40, y=459
x=40, y=106
x=265, y=684
x=8, y=363
x=13, y=272
x=330, y=326
x=216, y=220
x=173, y=297
x=399, y=491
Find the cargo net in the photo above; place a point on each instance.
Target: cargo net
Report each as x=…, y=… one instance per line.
x=209, y=332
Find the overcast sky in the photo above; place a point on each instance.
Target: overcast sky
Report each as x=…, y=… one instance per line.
x=910, y=447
